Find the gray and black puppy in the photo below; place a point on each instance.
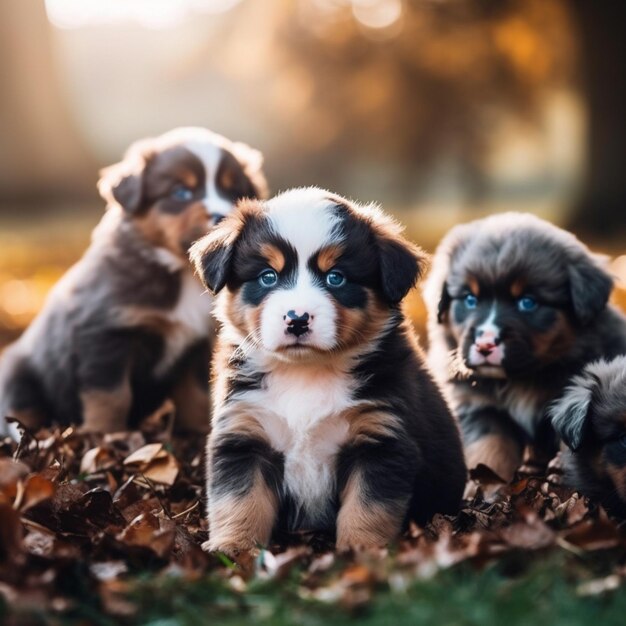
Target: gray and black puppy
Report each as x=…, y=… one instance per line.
x=127, y=327
x=516, y=308
x=590, y=418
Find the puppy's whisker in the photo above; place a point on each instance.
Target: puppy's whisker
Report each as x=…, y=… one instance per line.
x=250, y=341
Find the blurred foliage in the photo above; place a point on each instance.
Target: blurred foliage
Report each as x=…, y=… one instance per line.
x=430, y=85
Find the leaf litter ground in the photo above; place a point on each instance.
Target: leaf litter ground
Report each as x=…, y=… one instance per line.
x=107, y=530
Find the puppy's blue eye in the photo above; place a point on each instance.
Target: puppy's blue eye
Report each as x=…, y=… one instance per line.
x=335, y=279
x=268, y=278
x=527, y=304
x=471, y=301
x=181, y=193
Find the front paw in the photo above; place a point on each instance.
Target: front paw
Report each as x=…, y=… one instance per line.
x=231, y=547
x=359, y=540
x=380, y=528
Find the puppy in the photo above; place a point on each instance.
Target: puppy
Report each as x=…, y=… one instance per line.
x=126, y=326
x=516, y=307
x=590, y=418
x=325, y=417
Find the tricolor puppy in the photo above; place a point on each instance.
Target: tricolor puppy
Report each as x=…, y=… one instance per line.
x=126, y=326
x=325, y=417
x=516, y=307
x=590, y=417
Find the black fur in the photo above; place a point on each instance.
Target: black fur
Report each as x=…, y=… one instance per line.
x=500, y=257
x=402, y=454
x=590, y=417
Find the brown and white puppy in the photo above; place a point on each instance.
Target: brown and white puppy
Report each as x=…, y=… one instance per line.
x=516, y=307
x=325, y=416
x=126, y=326
x=590, y=418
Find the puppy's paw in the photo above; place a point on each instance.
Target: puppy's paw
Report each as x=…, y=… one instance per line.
x=229, y=547
x=358, y=539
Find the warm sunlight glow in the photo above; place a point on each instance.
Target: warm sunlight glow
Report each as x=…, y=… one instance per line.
x=377, y=13
x=147, y=13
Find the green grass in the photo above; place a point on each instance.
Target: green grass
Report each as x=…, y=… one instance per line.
x=512, y=592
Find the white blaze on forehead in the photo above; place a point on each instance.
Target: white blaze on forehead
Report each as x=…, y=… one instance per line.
x=304, y=218
x=489, y=327
x=210, y=155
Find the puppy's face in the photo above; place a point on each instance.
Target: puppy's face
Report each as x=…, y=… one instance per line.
x=590, y=417
x=512, y=292
x=307, y=273
x=176, y=186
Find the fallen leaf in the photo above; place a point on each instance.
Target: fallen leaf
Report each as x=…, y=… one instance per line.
x=145, y=454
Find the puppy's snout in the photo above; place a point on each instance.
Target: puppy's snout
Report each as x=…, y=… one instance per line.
x=486, y=340
x=297, y=324
x=216, y=218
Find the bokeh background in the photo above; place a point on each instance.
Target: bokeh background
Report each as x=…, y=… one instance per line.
x=441, y=110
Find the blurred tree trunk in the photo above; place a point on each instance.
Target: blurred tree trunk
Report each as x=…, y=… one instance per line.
x=603, y=58
x=41, y=153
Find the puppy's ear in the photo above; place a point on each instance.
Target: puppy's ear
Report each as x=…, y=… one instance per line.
x=590, y=288
x=570, y=413
x=122, y=183
x=212, y=256
x=444, y=303
x=251, y=161
x=401, y=265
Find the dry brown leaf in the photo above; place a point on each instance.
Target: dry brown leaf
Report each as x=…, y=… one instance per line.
x=145, y=454
x=162, y=470
x=36, y=489
x=592, y=535
x=95, y=459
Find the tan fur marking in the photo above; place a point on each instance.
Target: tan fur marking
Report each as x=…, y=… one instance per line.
x=106, y=411
x=360, y=326
x=236, y=311
x=174, y=232
x=189, y=178
x=366, y=524
x=499, y=453
x=274, y=256
x=241, y=421
x=517, y=288
x=227, y=178
x=366, y=424
x=182, y=229
x=239, y=524
x=474, y=285
x=328, y=257
x=556, y=341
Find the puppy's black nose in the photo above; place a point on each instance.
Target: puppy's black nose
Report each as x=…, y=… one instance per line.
x=217, y=218
x=297, y=324
x=294, y=317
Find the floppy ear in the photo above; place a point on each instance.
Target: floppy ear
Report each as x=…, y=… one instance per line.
x=401, y=265
x=590, y=288
x=570, y=413
x=212, y=256
x=251, y=161
x=444, y=303
x=122, y=183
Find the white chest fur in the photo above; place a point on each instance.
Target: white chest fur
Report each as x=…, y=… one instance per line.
x=189, y=321
x=302, y=417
